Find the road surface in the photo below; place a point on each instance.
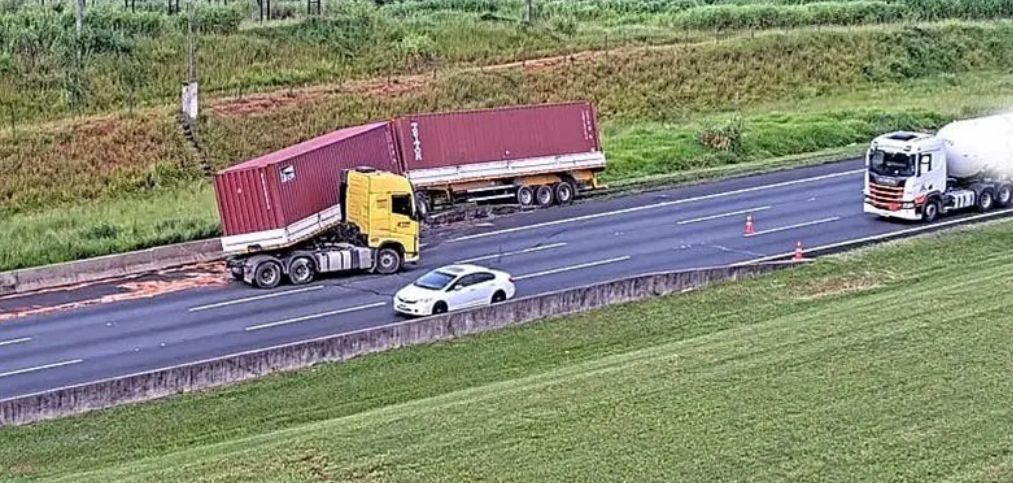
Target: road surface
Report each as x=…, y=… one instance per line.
x=545, y=250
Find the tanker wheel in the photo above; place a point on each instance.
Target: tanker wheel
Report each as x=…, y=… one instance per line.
x=1003, y=195
x=267, y=274
x=930, y=212
x=564, y=193
x=301, y=271
x=544, y=195
x=986, y=200
x=388, y=261
x=525, y=196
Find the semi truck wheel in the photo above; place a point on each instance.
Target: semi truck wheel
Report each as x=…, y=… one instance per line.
x=388, y=261
x=237, y=273
x=422, y=203
x=986, y=199
x=1003, y=195
x=931, y=211
x=267, y=274
x=525, y=196
x=544, y=195
x=565, y=193
x=301, y=271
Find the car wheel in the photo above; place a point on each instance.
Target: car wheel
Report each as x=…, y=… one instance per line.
x=439, y=308
x=498, y=297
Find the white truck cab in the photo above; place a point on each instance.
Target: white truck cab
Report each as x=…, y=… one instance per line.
x=917, y=176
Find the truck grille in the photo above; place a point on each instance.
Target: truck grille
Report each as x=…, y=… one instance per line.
x=885, y=197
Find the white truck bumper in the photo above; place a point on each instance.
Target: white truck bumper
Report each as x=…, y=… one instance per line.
x=903, y=213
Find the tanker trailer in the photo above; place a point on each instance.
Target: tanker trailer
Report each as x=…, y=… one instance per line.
x=920, y=176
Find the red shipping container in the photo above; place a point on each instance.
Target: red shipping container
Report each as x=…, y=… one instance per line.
x=276, y=191
x=433, y=142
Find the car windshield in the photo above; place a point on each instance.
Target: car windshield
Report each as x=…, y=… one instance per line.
x=891, y=164
x=435, y=280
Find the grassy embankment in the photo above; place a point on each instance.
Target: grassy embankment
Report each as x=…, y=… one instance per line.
x=888, y=364
x=791, y=92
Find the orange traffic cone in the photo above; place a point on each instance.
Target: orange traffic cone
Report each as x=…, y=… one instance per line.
x=749, y=225
x=798, y=252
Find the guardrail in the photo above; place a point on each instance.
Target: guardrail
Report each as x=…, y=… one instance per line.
x=109, y=266
x=247, y=365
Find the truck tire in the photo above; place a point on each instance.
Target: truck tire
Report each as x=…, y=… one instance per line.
x=1003, y=195
x=388, y=261
x=237, y=273
x=301, y=271
x=565, y=193
x=544, y=196
x=422, y=203
x=930, y=212
x=986, y=200
x=525, y=196
x=267, y=274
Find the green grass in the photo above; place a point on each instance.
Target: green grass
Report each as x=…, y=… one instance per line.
x=775, y=135
x=114, y=226
x=788, y=93
x=888, y=364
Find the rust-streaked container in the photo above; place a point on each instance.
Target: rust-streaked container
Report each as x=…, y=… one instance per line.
x=433, y=144
x=282, y=195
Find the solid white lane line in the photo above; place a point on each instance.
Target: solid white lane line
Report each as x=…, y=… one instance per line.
x=873, y=238
x=571, y=268
x=655, y=205
x=255, y=298
x=14, y=341
x=316, y=316
x=518, y=252
x=797, y=225
x=723, y=215
x=40, y=368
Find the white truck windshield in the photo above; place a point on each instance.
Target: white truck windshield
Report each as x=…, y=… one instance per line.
x=891, y=164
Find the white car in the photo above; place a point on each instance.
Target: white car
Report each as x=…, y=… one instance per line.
x=454, y=287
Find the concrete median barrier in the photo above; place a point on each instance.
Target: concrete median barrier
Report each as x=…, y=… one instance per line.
x=111, y=266
x=247, y=365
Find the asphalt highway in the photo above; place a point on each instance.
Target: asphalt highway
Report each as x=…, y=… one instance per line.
x=545, y=250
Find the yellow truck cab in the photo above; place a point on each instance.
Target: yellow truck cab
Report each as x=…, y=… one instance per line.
x=378, y=231
x=382, y=206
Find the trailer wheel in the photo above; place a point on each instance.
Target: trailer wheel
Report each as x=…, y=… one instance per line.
x=301, y=271
x=525, y=196
x=564, y=193
x=267, y=274
x=544, y=195
x=388, y=261
x=986, y=200
x=237, y=273
x=931, y=211
x=1003, y=195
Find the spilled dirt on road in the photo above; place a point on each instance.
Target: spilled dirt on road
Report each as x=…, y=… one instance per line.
x=97, y=293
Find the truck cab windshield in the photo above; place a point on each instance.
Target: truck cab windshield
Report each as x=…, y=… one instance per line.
x=891, y=164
